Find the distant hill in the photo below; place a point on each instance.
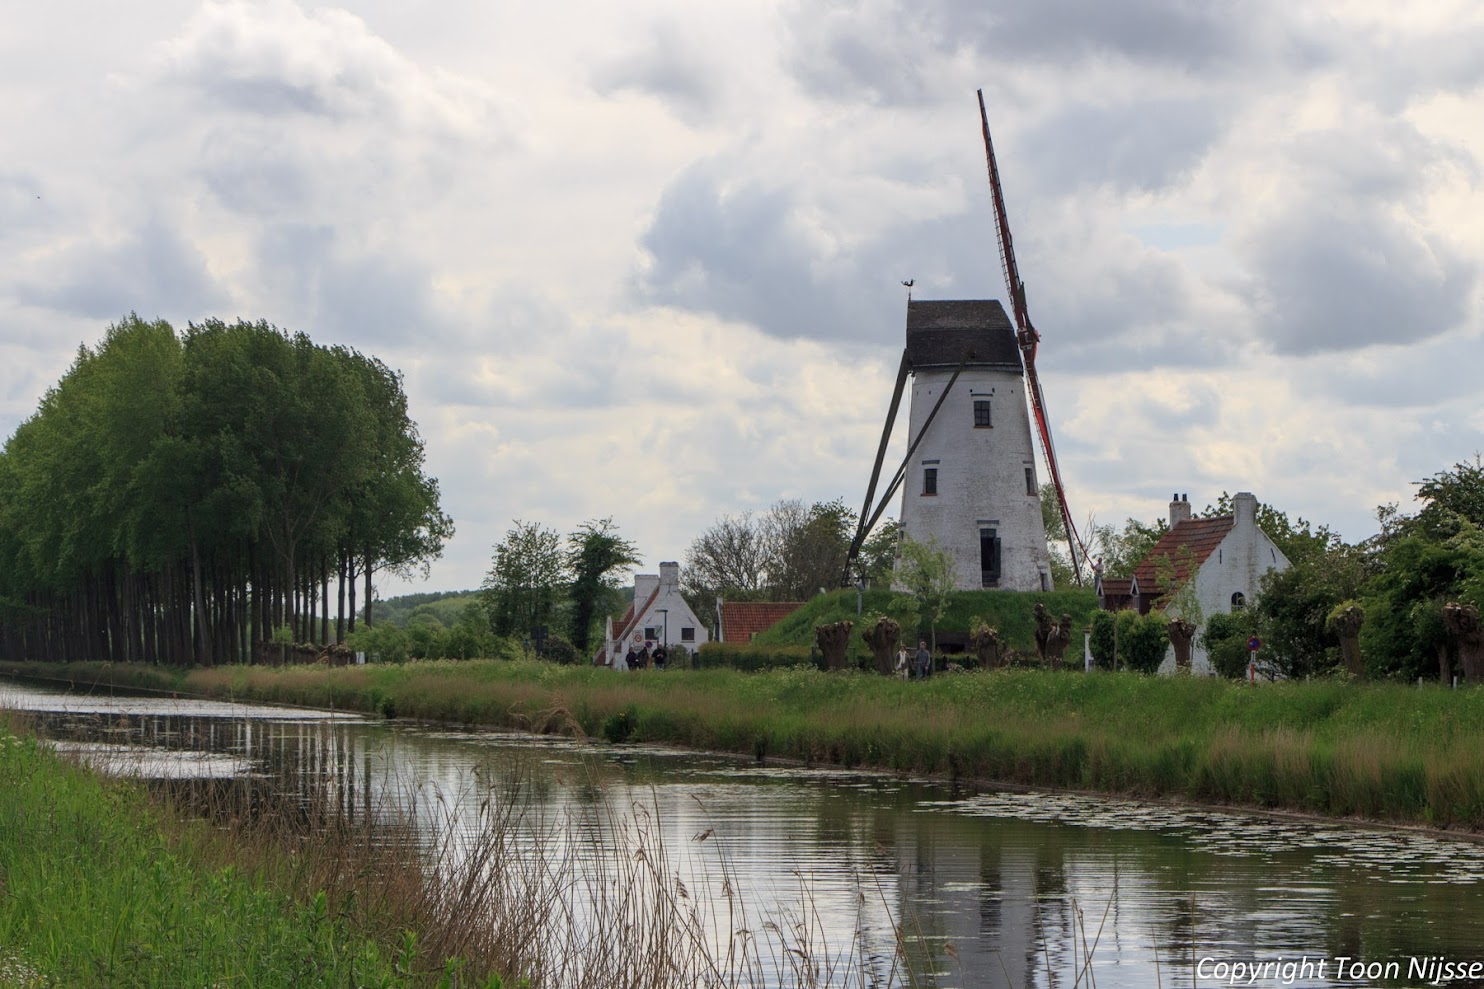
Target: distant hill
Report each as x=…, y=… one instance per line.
x=442, y=605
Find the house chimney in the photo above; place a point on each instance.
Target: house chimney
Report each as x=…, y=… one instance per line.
x=1179, y=509
x=669, y=575
x=645, y=584
x=1244, y=508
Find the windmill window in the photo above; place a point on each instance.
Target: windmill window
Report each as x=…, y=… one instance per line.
x=981, y=414
x=1030, y=481
x=989, y=558
x=687, y=634
x=651, y=631
x=930, y=481
x=1239, y=601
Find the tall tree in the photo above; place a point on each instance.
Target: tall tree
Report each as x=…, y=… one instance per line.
x=730, y=556
x=1294, y=606
x=806, y=546
x=878, y=555
x=526, y=579
x=595, y=553
x=176, y=498
x=390, y=519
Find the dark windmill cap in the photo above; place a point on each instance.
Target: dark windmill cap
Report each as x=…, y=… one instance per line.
x=940, y=331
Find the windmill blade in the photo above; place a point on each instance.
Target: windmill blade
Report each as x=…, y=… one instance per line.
x=1029, y=340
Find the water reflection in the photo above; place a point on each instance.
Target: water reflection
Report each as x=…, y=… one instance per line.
x=984, y=889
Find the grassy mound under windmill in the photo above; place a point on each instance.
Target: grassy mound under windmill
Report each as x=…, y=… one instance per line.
x=1009, y=611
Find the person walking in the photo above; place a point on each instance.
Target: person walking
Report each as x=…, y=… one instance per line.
x=631, y=658
x=924, y=660
x=660, y=655
x=902, y=670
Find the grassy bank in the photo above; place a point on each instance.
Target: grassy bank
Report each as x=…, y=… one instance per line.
x=1381, y=751
x=103, y=887
x=103, y=883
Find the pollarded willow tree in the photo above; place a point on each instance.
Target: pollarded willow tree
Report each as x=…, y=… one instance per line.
x=181, y=497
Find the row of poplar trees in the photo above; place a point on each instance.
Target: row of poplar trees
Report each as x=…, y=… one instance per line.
x=185, y=497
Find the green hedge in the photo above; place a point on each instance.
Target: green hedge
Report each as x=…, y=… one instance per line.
x=752, y=657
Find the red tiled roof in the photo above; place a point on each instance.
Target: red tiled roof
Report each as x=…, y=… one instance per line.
x=1200, y=536
x=1116, y=593
x=741, y=620
x=623, y=623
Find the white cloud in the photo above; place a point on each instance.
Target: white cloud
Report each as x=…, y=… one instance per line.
x=641, y=260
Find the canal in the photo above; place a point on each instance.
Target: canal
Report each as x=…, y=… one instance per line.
x=978, y=888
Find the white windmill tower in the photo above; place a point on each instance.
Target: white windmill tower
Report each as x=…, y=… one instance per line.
x=970, y=483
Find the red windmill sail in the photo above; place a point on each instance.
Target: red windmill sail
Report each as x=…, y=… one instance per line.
x=1028, y=339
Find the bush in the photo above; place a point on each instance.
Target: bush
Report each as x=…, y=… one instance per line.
x=559, y=649
x=1104, y=639
x=1225, y=639
x=1142, y=640
x=618, y=726
x=382, y=643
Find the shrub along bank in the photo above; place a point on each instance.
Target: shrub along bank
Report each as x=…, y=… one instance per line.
x=1381, y=751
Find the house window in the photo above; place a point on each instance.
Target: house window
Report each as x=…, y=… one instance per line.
x=981, y=414
x=930, y=481
x=989, y=558
x=1239, y=601
x=1030, y=481
x=687, y=635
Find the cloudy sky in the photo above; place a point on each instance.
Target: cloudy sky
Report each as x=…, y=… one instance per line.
x=642, y=260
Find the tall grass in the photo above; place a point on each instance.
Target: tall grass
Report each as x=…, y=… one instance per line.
x=1382, y=751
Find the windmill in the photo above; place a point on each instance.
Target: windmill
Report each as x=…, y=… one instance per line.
x=968, y=478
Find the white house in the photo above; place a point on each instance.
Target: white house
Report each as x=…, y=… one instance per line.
x=658, y=614
x=970, y=483
x=1229, y=554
